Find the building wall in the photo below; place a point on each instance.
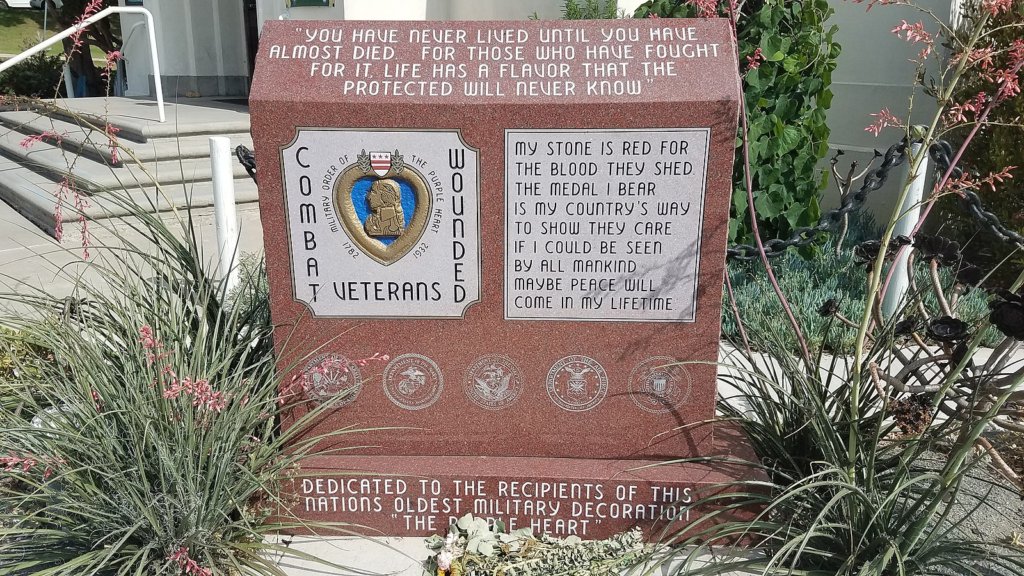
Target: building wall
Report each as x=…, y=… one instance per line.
x=874, y=72
x=413, y=10
x=201, y=45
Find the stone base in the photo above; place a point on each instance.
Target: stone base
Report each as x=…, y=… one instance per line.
x=590, y=498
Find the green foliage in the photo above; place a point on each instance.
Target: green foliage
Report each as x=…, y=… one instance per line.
x=891, y=511
x=21, y=363
x=786, y=98
x=590, y=9
x=152, y=442
x=995, y=147
x=36, y=77
x=809, y=282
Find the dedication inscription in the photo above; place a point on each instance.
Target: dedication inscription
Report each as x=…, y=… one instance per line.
x=528, y=219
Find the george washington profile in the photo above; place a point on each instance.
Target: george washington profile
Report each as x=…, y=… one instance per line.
x=386, y=217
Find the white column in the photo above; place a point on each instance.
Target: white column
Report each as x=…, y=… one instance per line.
x=896, y=293
x=221, y=160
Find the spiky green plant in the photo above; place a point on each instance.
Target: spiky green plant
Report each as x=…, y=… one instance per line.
x=830, y=275
x=804, y=512
x=151, y=444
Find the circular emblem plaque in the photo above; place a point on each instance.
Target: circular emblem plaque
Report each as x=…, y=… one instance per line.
x=413, y=382
x=493, y=382
x=659, y=384
x=577, y=383
x=329, y=375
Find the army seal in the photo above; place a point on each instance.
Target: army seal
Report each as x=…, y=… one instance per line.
x=331, y=375
x=659, y=384
x=413, y=382
x=577, y=383
x=493, y=382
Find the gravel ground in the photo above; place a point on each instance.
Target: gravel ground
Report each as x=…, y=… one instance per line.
x=991, y=508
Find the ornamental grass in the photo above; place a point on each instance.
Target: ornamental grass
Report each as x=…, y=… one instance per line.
x=142, y=433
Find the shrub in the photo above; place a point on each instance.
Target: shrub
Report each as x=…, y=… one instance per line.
x=865, y=458
x=994, y=147
x=36, y=77
x=786, y=98
x=21, y=363
x=810, y=283
x=590, y=9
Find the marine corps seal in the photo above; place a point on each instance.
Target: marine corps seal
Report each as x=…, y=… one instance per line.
x=413, y=382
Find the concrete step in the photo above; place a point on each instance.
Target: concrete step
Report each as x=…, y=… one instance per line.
x=94, y=177
x=165, y=164
x=34, y=197
x=94, y=144
x=138, y=118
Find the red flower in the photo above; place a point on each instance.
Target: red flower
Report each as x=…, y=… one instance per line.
x=755, y=59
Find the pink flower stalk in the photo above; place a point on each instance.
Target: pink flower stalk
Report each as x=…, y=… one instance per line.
x=111, y=132
x=112, y=58
x=153, y=347
x=974, y=106
x=981, y=57
x=1009, y=84
x=1016, y=52
x=705, y=8
x=203, y=395
x=65, y=189
x=994, y=7
x=30, y=141
x=377, y=356
x=915, y=34
x=966, y=182
x=883, y=119
x=90, y=10
x=188, y=566
x=80, y=205
x=13, y=462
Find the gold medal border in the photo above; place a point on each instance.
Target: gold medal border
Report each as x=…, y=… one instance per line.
x=375, y=249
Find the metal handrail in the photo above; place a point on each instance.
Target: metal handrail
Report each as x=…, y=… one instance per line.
x=91, y=20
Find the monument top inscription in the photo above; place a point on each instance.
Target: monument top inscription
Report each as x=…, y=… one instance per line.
x=528, y=218
x=481, y=63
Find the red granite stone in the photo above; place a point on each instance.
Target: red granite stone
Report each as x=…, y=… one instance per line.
x=472, y=385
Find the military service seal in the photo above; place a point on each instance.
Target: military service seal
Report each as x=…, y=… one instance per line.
x=331, y=375
x=577, y=383
x=413, y=382
x=659, y=384
x=493, y=382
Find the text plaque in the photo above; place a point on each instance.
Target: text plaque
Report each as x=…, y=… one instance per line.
x=383, y=223
x=603, y=224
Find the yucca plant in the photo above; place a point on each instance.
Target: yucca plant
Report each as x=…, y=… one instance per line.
x=893, y=512
x=151, y=442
